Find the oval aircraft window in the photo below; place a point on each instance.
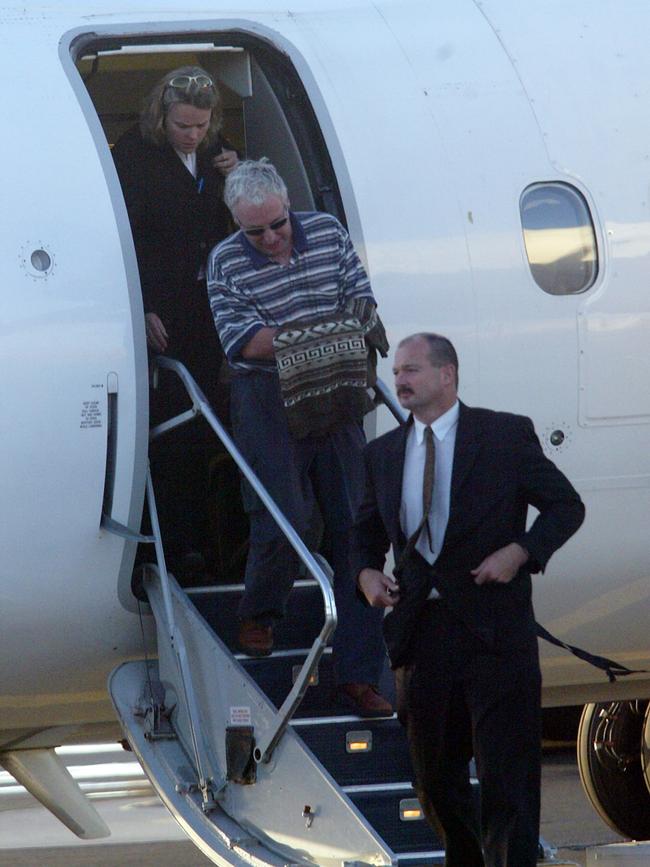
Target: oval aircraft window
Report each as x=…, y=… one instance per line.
x=559, y=237
x=41, y=260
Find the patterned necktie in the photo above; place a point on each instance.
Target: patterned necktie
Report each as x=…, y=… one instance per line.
x=428, y=480
x=427, y=494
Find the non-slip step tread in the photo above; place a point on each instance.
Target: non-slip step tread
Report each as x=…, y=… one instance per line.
x=420, y=859
x=299, y=627
x=382, y=810
x=275, y=675
x=386, y=760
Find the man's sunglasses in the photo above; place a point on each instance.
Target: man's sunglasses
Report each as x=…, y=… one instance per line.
x=259, y=230
x=185, y=82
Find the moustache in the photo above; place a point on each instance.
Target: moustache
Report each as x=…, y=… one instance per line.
x=404, y=390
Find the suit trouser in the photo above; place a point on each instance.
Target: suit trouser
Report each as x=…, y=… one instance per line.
x=461, y=701
x=305, y=477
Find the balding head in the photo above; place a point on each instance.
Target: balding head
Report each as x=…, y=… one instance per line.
x=440, y=349
x=426, y=375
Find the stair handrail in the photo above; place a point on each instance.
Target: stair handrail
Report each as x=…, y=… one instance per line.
x=316, y=565
x=177, y=643
x=384, y=395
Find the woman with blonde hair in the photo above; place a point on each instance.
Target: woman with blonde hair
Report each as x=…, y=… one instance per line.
x=172, y=168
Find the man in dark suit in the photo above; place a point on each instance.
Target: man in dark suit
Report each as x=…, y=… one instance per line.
x=461, y=630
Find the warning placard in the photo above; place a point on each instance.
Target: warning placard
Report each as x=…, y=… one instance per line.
x=240, y=716
x=91, y=414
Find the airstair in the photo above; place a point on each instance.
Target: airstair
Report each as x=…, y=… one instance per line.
x=252, y=756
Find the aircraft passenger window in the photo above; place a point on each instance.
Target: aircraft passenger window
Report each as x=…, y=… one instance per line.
x=559, y=237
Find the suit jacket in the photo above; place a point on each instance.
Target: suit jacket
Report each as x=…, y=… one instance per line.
x=499, y=470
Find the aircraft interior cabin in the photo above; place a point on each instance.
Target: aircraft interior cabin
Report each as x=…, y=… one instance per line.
x=266, y=109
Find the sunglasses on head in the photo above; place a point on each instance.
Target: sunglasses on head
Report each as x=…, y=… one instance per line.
x=259, y=230
x=185, y=82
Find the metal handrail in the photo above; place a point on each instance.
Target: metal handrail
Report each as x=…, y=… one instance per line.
x=385, y=396
x=315, y=564
x=178, y=646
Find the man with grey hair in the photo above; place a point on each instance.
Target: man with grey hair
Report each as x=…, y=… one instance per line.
x=282, y=268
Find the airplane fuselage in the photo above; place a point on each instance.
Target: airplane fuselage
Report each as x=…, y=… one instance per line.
x=444, y=126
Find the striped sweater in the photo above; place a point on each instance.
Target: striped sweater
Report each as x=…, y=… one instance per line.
x=248, y=291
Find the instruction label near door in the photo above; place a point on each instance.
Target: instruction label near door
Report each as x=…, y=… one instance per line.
x=91, y=412
x=240, y=716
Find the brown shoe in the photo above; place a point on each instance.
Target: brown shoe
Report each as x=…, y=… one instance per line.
x=254, y=638
x=365, y=699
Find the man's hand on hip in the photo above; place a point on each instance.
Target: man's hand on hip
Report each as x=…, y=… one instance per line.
x=501, y=566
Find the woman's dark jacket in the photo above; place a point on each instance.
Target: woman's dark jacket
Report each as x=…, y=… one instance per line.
x=176, y=220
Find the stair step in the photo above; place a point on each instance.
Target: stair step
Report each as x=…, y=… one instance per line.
x=338, y=746
x=382, y=809
x=420, y=859
x=275, y=675
x=300, y=626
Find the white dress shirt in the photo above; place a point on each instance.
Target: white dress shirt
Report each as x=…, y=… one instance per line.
x=444, y=432
x=188, y=160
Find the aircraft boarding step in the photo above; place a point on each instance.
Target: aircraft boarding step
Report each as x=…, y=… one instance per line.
x=368, y=758
x=359, y=765
x=287, y=809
